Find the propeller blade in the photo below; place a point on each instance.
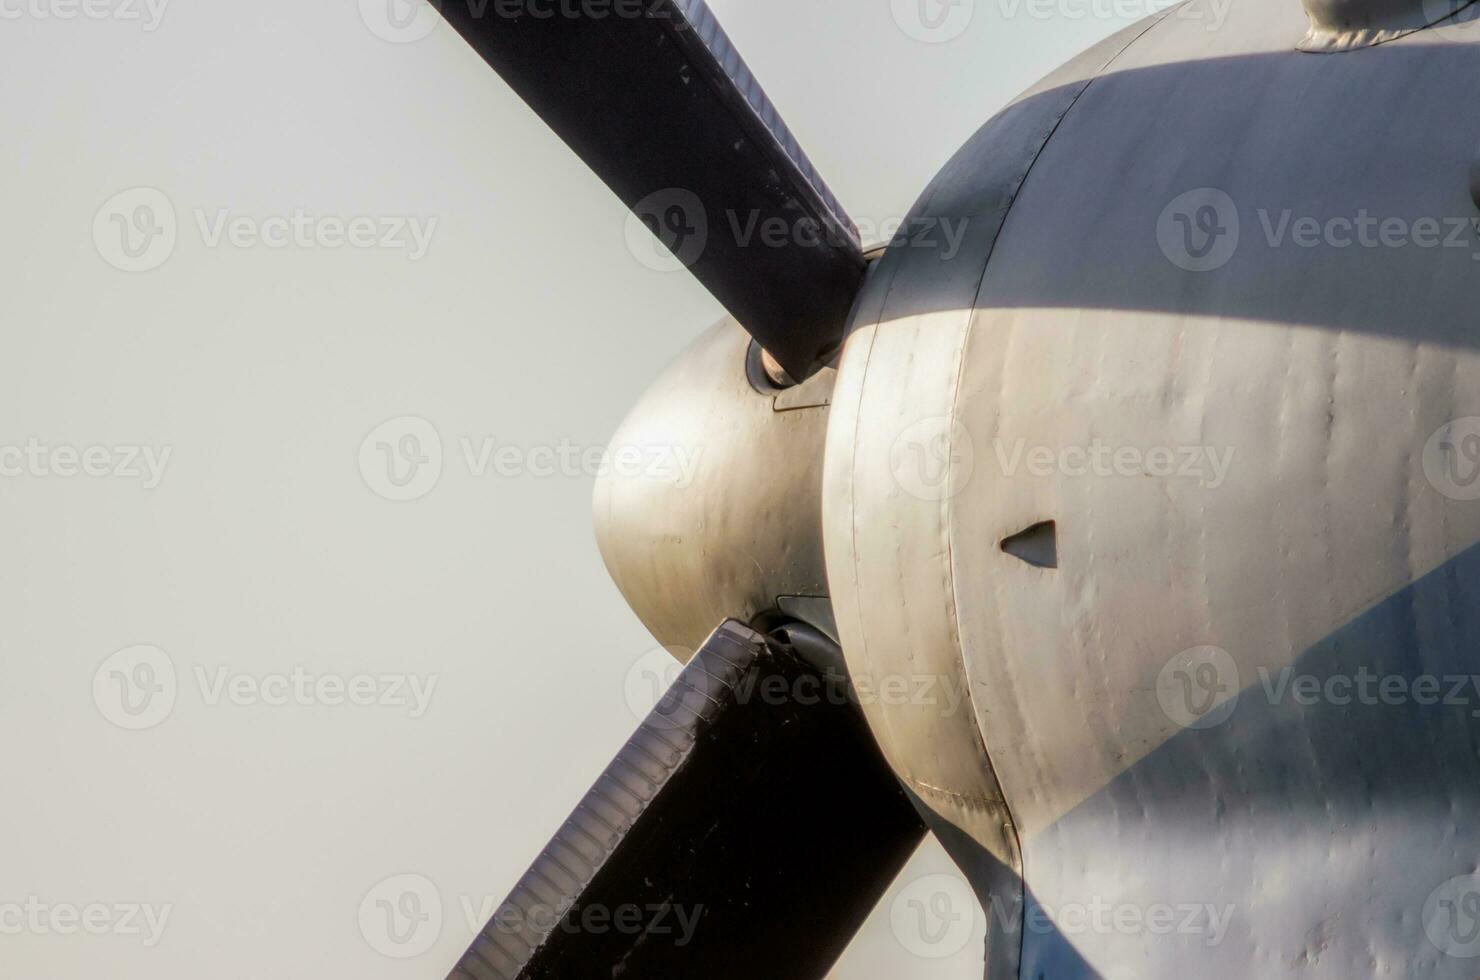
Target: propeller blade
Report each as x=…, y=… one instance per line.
x=655, y=99
x=746, y=830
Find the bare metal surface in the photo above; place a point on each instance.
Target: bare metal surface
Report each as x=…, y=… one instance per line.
x=889, y=538
x=1317, y=835
x=815, y=392
x=1043, y=619
x=1347, y=25
x=746, y=529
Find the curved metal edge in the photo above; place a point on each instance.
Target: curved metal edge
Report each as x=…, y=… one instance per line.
x=899, y=371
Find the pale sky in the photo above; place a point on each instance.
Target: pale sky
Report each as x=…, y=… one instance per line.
x=190, y=505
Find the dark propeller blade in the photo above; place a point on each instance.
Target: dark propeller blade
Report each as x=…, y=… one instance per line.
x=653, y=97
x=745, y=831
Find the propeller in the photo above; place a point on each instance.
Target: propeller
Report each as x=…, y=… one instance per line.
x=655, y=99
x=746, y=830
x=739, y=833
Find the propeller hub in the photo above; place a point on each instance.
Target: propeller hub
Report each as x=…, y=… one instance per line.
x=731, y=525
